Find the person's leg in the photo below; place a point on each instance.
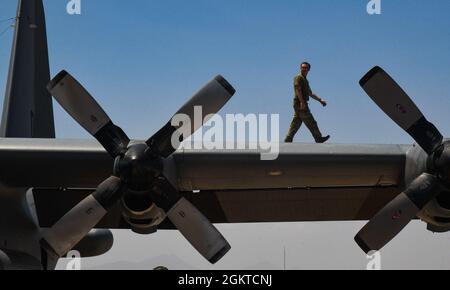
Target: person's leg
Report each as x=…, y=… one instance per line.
x=311, y=123
x=295, y=125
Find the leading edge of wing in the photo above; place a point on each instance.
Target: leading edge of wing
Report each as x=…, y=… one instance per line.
x=84, y=164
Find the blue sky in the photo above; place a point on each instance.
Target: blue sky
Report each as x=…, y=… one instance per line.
x=142, y=60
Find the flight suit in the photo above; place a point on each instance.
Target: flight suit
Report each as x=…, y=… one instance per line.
x=302, y=116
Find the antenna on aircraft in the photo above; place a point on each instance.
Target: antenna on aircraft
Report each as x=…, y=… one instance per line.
x=4, y=31
x=9, y=19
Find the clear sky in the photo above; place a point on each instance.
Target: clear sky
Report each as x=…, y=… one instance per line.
x=142, y=59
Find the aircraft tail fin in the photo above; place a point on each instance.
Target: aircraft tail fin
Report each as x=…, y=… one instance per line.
x=28, y=108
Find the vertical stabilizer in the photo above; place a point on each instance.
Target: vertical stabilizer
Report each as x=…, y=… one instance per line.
x=27, y=109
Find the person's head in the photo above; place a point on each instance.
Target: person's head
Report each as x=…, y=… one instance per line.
x=305, y=67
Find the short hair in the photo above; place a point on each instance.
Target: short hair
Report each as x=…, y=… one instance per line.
x=307, y=63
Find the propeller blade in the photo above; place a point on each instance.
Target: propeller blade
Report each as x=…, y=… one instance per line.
x=391, y=98
x=77, y=223
x=77, y=101
x=390, y=220
x=198, y=230
x=192, y=224
x=211, y=98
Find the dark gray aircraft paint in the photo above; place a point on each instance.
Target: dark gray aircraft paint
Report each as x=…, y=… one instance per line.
x=27, y=113
x=27, y=109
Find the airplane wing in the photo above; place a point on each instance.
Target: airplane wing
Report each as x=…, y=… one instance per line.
x=308, y=182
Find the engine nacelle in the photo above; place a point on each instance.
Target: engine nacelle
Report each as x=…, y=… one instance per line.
x=95, y=243
x=415, y=164
x=437, y=217
x=141, y=213
x=437, y=212
x=12, y=260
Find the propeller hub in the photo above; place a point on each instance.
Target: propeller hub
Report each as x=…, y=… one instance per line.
x=137, y=168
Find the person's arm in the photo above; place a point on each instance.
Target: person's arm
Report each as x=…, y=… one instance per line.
x=317, y=98
x=300, y=97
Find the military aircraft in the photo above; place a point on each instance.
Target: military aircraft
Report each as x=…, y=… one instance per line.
x=58, y=195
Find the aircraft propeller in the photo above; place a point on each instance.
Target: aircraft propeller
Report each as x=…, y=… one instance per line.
x=138, y=167
x=391, y=219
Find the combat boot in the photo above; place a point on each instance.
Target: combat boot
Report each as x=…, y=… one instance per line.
x=323, y=139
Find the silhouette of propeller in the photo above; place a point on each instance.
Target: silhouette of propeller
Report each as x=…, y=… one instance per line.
x=138, y=167
x=390, y=220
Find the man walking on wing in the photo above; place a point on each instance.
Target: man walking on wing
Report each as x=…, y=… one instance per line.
x=302, y=114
